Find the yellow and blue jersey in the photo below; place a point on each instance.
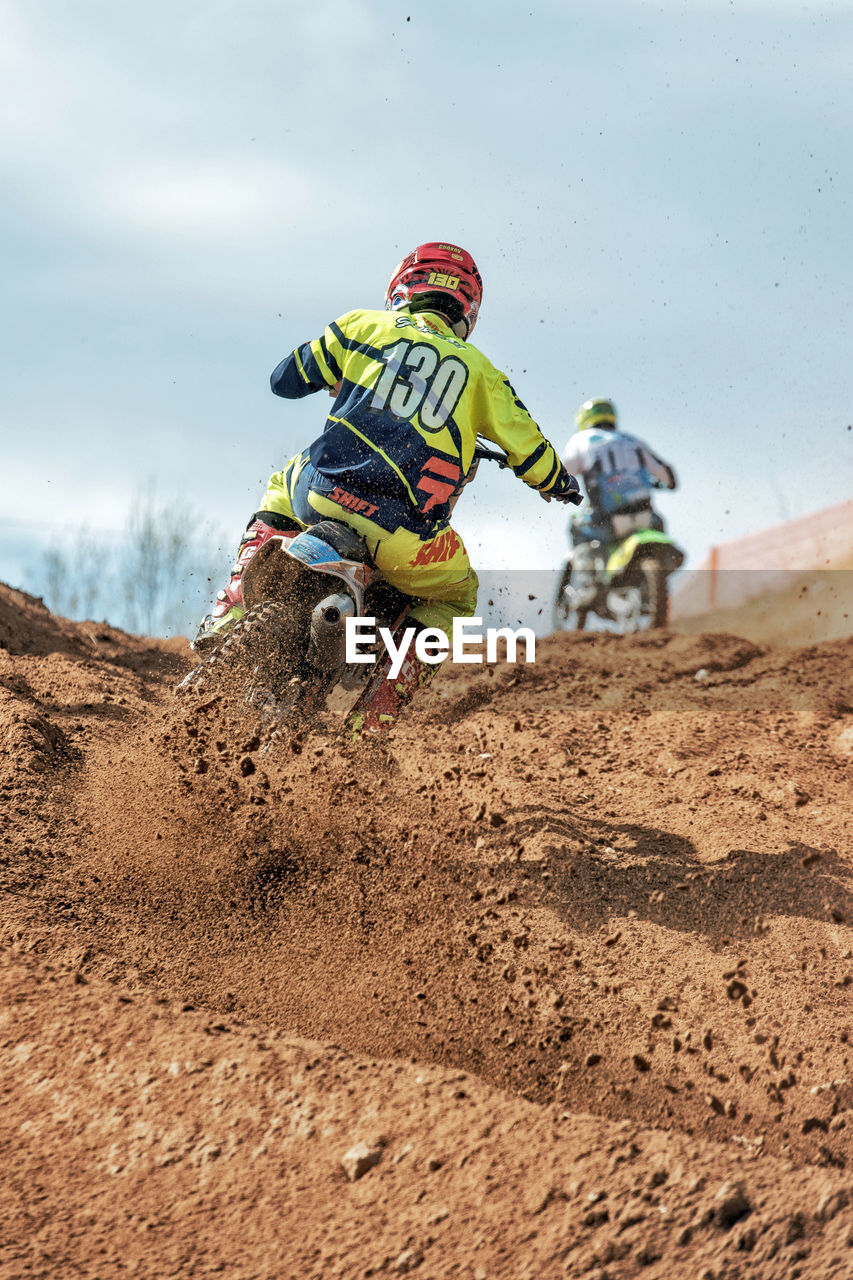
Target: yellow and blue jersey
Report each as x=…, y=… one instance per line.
x=411, y=402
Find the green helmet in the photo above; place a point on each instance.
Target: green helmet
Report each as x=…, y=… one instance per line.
x=595, y=413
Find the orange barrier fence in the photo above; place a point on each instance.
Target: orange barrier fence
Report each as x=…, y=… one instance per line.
x=744, y=568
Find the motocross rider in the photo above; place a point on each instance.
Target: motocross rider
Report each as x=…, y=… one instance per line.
x=410, y=396
x=619, y=472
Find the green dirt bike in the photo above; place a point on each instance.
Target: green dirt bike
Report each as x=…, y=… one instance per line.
x=619, y=582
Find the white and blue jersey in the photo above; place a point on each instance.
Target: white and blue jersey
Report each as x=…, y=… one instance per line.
x=618, y=469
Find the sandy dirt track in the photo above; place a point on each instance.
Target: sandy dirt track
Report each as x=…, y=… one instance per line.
x=554, y=982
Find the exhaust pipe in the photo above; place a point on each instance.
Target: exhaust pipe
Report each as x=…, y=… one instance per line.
x=328, y=631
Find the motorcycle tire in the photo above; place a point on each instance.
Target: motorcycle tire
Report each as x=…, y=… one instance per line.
x=251, y=640
x=254, y=661
x=655, y=589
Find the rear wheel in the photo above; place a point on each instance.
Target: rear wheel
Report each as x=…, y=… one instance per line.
x=655, y=591
x=249, y=639
x=259, y=661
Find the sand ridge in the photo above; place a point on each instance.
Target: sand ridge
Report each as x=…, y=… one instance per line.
x=569, y=953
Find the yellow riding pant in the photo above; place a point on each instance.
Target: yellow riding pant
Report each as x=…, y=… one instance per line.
x=436, y=572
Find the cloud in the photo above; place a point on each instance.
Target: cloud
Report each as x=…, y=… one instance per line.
x=657, y=194
x=221, y=196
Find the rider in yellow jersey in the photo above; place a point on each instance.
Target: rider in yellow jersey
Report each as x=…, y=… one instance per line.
x=411, y=395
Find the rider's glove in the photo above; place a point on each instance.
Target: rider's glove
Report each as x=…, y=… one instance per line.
x=565, y=489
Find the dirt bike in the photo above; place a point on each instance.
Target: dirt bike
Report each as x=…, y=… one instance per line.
x=287, y=654
x=620, y=583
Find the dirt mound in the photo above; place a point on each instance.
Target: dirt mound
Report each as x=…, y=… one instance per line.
x=569, y=953
x=796, y=609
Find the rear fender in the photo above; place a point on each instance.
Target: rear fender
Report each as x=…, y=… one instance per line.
x=311, y=552
x=275, y=569
x=645, y=544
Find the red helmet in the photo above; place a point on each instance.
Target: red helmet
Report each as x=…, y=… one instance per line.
x=438, y=277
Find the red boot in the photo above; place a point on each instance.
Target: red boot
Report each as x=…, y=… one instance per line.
x=382, y=701
x=229, y=602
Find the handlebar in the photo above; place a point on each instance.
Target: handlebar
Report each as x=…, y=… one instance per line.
x=481, y=453
x=491, y=455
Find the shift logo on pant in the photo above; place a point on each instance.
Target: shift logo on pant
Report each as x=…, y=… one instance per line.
x=352, y=503
x=441, y=548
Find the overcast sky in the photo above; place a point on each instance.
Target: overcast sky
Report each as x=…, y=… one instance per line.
x=658, y=196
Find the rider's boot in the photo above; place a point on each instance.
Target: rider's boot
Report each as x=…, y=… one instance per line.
x=382, y=701
x=229, y=602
